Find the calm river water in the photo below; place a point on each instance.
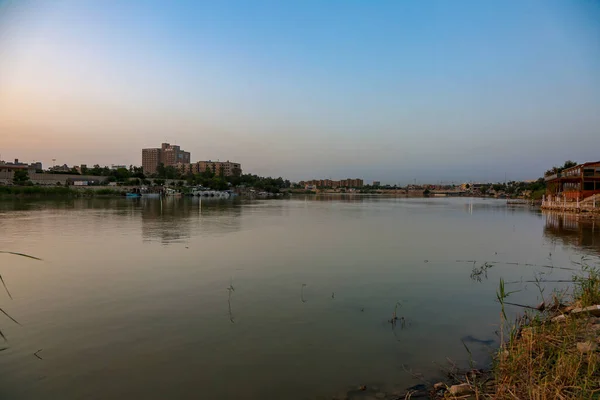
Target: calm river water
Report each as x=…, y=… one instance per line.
x=283, y=299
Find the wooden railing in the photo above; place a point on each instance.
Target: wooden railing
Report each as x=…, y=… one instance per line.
x=562, y=204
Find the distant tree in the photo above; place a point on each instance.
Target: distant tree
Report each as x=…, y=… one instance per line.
x=21, y=177
x=426, y=192
x=468, y=186
x=120, y=174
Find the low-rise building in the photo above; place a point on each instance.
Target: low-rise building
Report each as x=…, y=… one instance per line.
x=227, y=168
x=328, y=183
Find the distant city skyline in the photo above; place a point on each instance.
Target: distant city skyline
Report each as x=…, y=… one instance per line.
x=388, y=91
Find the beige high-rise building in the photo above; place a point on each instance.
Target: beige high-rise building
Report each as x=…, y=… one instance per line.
x=169, y=155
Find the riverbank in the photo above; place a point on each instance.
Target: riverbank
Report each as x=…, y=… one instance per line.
x=8, y=192
x=551, y=352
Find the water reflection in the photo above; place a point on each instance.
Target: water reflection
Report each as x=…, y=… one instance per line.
x=573, y=230
x=173, y=219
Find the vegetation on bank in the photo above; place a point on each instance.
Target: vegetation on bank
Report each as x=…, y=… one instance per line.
x=549, y=353
x=50, y=191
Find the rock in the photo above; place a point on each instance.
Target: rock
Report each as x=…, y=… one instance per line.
x=460, y=390
x=559, y=318
x=593, y=310
x=568, y=309
x=439, y=386
x=380, y=395
x=586, y=347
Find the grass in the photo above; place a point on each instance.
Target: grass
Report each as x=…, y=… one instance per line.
x=9, y=295
x=50, y=191
x=543, y=358
x=33, y=191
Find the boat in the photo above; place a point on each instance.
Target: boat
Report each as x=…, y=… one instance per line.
x=172, y=193
x=149, y=193
x=132, y=195
x=207, y=193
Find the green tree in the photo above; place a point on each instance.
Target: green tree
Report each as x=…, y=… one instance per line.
x=208, y=173
x=569, y=164
x=160, y=171
x=21, y=177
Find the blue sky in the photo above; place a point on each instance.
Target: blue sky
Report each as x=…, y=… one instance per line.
x=386, y=90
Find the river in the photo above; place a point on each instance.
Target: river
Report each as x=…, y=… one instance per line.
x=286, y=299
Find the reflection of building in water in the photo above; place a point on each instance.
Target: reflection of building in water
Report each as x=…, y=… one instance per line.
x=166, y=220
x=177, y=219
x=572, y=230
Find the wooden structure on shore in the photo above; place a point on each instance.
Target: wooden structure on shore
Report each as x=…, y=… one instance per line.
x=576, y=183
x=575, y=189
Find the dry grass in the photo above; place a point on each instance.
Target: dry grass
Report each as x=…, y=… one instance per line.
x=542, y=361
x=539, y=358
x=545, y=363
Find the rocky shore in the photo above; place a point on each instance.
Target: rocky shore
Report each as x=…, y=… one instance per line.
x=551, y=352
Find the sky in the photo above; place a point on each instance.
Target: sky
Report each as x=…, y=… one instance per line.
x=437, y=91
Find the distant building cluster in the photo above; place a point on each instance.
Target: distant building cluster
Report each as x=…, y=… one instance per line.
x=11, y=166
x=173, y=156
x=328, y=183
x=227, y=168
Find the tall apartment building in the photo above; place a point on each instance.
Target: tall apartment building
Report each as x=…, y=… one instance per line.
x=167, y=154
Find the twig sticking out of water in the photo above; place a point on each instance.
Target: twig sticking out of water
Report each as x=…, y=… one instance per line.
x=36, y=354
x=332, y=295
x=477, y=273
x=394, y=314
x=302, y=293
x=5, y=313
x=230, y=290
x=516, y=263
x=19, y=254
x=5, y=287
